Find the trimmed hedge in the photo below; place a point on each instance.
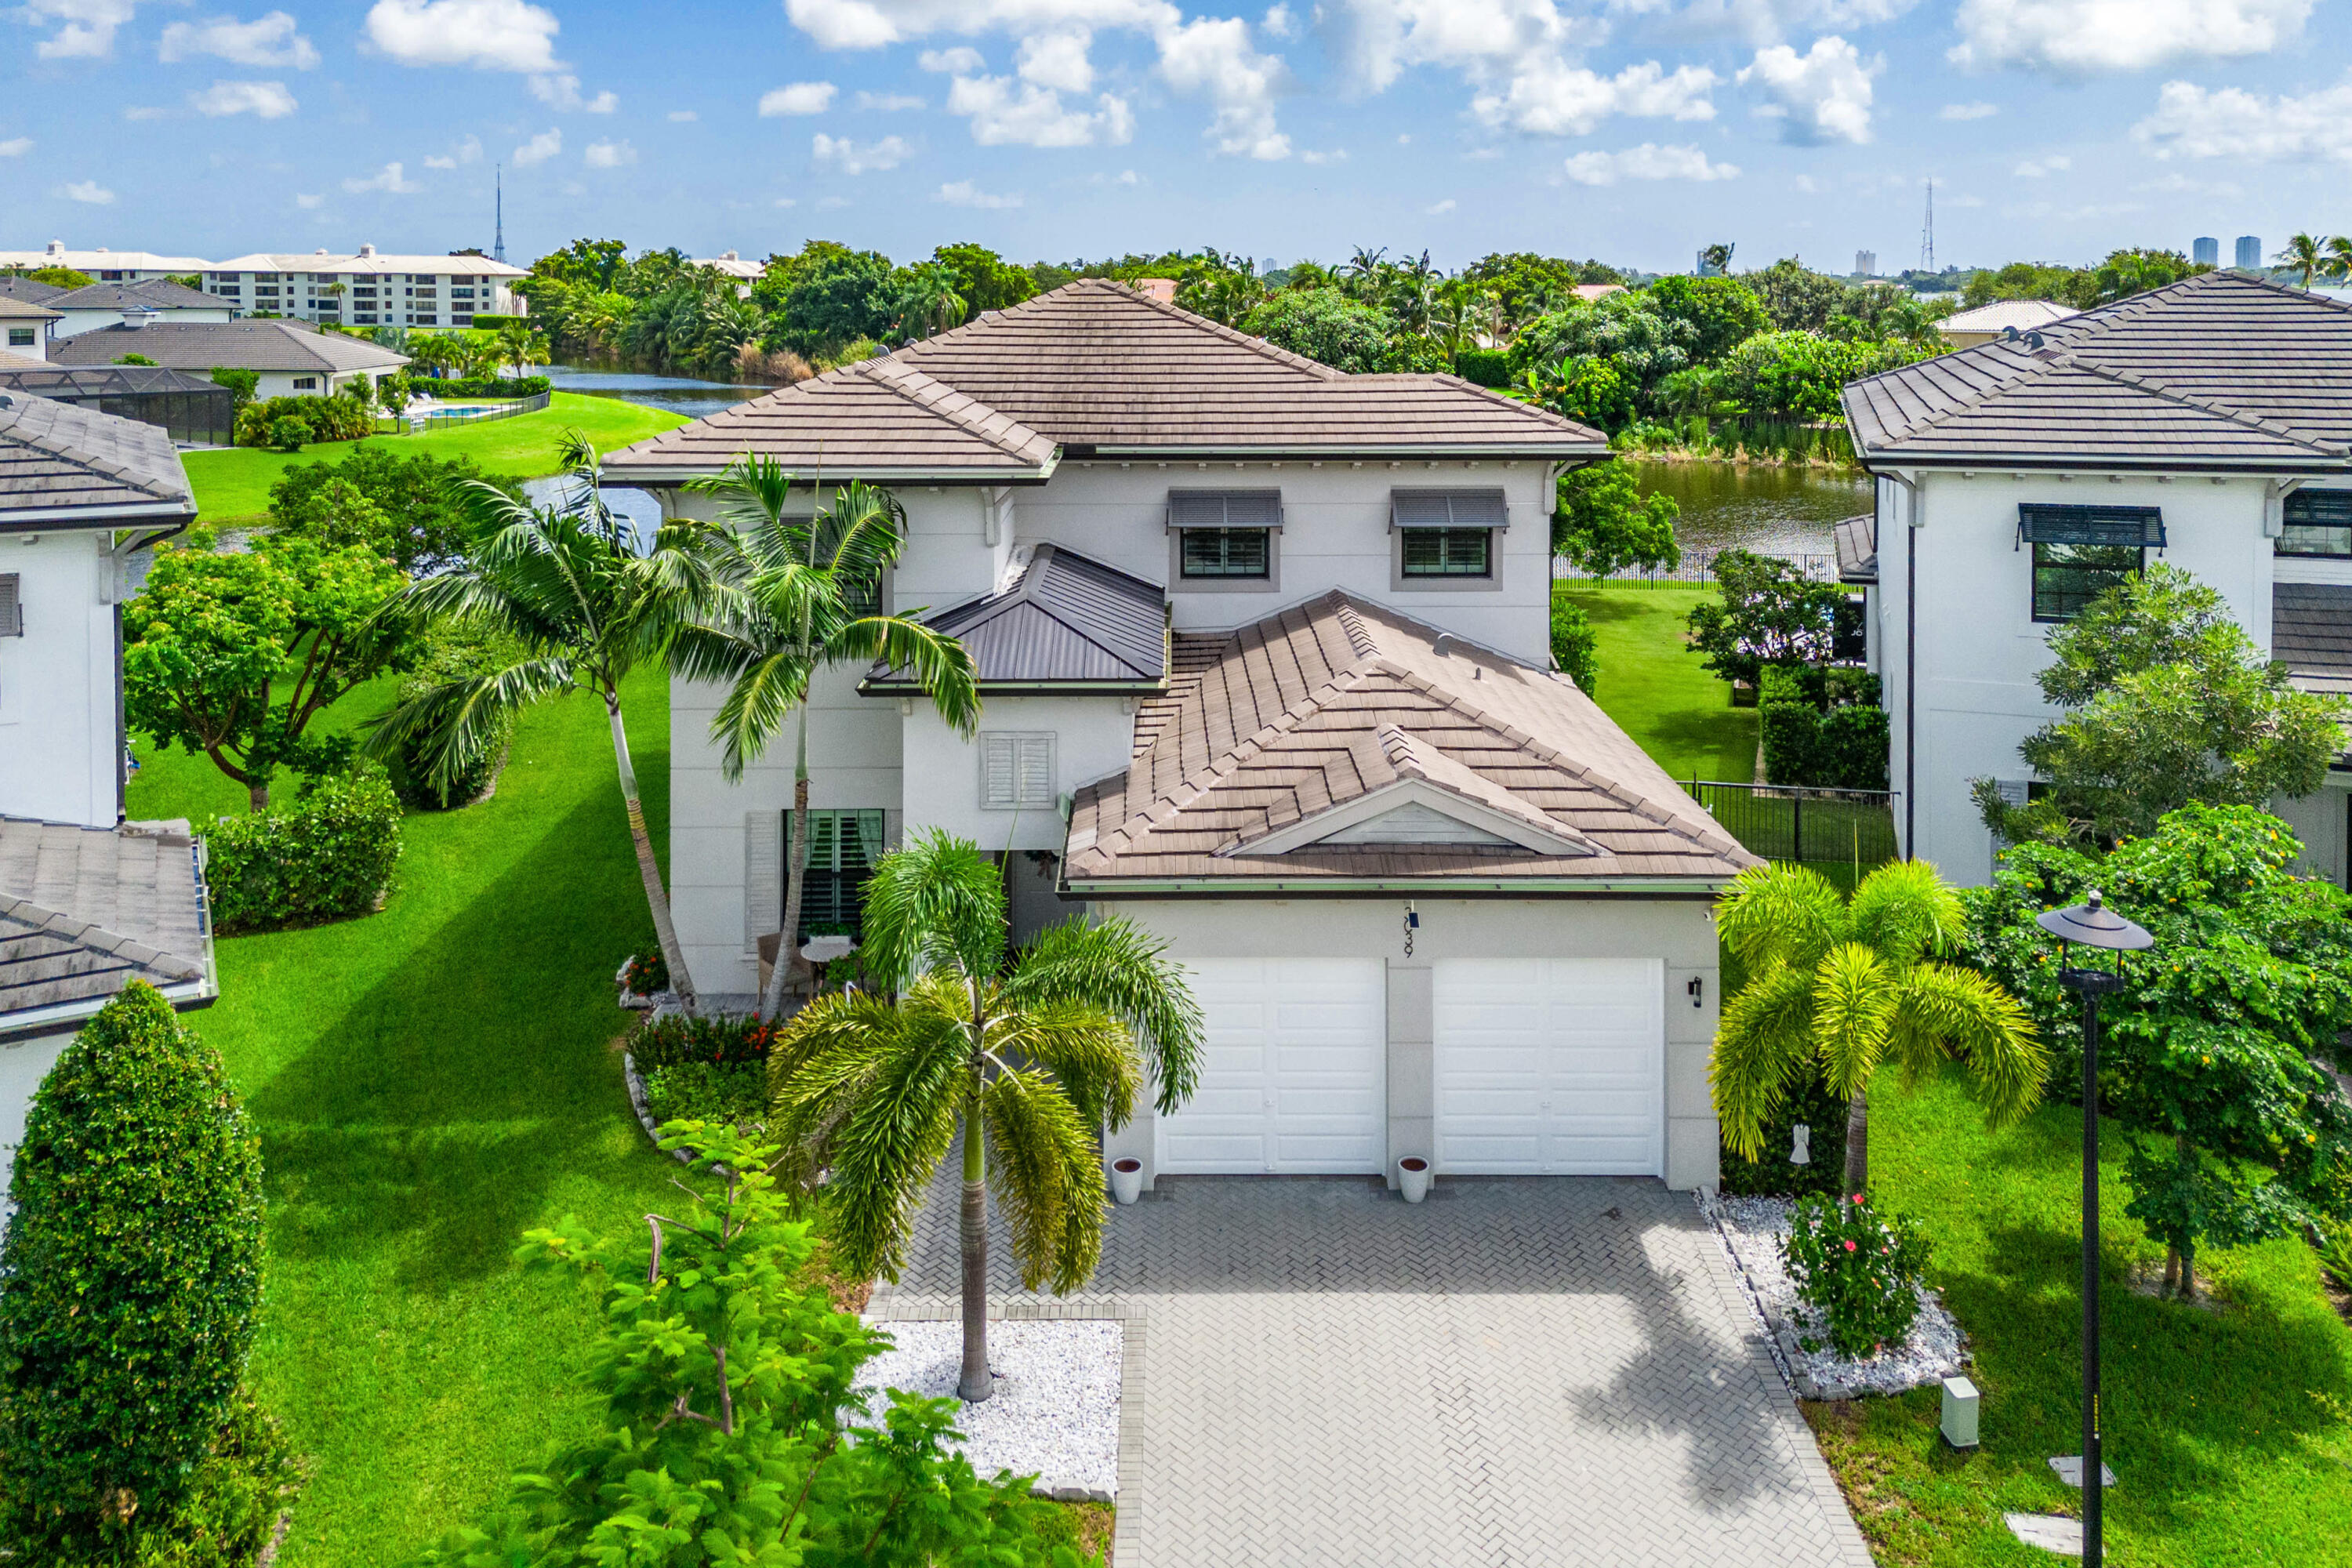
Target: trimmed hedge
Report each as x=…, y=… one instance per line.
x=327, y=856
x=517, y=387
x=1823, y=727
x=129, y=1283
x=271, y=421
x=489, y=321
x=1484, y=367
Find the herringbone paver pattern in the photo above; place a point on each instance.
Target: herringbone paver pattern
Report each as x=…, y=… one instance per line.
x=1519, y=1371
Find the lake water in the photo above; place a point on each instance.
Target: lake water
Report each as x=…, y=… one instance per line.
x=679, y=394
x=1757, y=506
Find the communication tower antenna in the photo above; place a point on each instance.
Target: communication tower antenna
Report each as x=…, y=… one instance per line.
x=499, y=245
x=1928, y=233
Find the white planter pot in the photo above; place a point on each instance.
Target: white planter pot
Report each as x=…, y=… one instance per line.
x=1127, y=1180
x=1413, y=1178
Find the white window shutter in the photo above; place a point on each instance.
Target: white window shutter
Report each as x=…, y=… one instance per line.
x=999, y=771
x=763, y=888
x=12, y=611
x=1036, y=770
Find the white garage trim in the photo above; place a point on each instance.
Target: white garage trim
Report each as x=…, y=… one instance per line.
x=1293, y=1075
x=1550, y=1066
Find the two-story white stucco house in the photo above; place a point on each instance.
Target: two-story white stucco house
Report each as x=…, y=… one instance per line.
x=1264, y=655
x=88, y=901
x=2207, y=424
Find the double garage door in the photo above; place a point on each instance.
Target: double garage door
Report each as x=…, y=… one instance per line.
x=1549, y=1066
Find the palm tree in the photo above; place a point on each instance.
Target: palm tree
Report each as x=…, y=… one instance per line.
x=2305, y=255
x=928, y=302
x=1835, y=988
x=2339, y=258
x=789, y=596
x=518, y=346
x=1027, y=1061
x=584, y=605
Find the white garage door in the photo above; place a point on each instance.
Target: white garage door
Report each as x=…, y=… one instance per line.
x=1551, y=1067
x=1291, y=1081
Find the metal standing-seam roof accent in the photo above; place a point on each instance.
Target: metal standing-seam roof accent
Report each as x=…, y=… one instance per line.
x=236, y=345
x=1065, y=620
x=1857, y=548
x=2311, y=634
x=1332, y=701
x=86, y=910
x=2222, y=370
x=57, y=457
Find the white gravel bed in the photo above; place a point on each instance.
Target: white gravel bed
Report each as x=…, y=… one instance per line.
x=1751, y=1231
x=1055, y=1413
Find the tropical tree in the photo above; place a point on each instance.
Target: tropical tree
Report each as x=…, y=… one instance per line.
x=583, y=604
x=518, y=346
x=2305, y=255
x=924, y=300
x=1835, y=989
x=787, y=597
x=1025, y=1061
x=2339, y=257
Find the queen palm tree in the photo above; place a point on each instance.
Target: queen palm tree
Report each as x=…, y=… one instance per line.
x=2305, y=255
x=1026, y=1061
x=2339, y=258
x=786, y=598
x=583, y=604
x=1836, y=988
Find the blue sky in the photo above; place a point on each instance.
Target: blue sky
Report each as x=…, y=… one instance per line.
x=1632, y=129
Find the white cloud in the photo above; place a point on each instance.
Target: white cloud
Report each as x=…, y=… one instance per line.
x=800, y=97
x=469, y=150
x=270, y=40
x=15, y=147
x=1967, y=111
x=264, y=99
x=1058, y=60
x=490, y=35
x=2192, y=121
x=1823, y=95
x=889, y=102
x=1549, y=97
x=89, y=191
x=1216, y=59
x=138, y=111
x=85, y=28
x=958, y=61
x=1335, y=155
x=310, y=203
x=1445, y=207
x=1647, y=162
x=1280, y=22
x=1765, y=22
x=539, y=149
x=1003, y=111
x=831, y=203
x=392, y=179
x=2032, y=169
x=563, y=92
x=786, y=202
x=610, y=154
x=964, y=194
x=848, y=157
x=1124, y=177
x=2078, y=36
x=683, y=116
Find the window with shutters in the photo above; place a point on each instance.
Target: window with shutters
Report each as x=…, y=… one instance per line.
x=843, y=847
x=12, y=608
x=1224, y=535
x=2067, y=577
x=1016, y=770
x=1225, y=552
x=2317, y=522
x=1448, y=553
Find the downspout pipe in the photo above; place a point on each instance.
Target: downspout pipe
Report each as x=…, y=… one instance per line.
x=1915, y=515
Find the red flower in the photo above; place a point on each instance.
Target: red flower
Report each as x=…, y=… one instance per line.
x=1849, y=1246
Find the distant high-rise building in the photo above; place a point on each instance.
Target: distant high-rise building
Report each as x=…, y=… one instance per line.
x=2205, y=251
x=1865, y=263
x=2250, y=252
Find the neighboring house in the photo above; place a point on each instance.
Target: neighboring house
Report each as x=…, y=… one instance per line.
x=106, y=266
x=368, y=290
x=155, y=302
x=745, y=273
x=1263, y=653
x=25, y=328
x=195, y=410
x=2207, y=423
x=88, y=901
x=293, y=360
x=1966, y=329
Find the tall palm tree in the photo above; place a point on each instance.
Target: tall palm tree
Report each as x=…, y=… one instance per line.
x=584, y=604
x=1028, y=1061
x=2305, y=255
x=788, y=596
x=1835, y=988
x=2339, y=258
x=519, y=346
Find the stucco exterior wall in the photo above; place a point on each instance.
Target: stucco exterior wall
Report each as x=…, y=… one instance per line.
x=941, y=770
x=58, y=752
x=1681, y=933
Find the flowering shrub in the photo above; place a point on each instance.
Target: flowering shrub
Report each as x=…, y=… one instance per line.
x=647, y=974
x=676, y=1040
x=1857, y=1270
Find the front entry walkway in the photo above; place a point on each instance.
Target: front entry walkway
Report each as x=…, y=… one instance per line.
x=1524, y=1371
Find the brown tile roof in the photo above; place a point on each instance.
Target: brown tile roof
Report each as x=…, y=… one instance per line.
x=237, y=345
x=1100, y=367
x=86, y=910
x=1328, y=701
x=58, y=456
x=2217, y=371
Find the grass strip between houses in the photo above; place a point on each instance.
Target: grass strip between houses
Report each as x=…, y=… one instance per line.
x=1656, y=689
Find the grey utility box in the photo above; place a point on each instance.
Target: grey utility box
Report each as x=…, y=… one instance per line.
x=1960, y=1412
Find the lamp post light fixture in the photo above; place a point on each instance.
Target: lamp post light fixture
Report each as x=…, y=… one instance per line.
x=2092, y=924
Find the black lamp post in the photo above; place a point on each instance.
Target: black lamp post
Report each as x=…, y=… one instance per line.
x=2092, y=924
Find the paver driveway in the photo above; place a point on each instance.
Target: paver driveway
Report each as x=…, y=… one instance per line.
x=1537, y=1372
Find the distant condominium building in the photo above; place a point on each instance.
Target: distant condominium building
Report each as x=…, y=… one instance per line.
x=361, y=289
x=1866, y=263
x=103, y=264
x=2205, y=251
x=2250, y=252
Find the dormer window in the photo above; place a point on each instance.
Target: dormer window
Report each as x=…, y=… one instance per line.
x=1225, y=538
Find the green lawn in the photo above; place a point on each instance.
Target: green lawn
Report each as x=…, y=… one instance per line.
x=428, y=1083
x=1657, y=689
x=2229, y=1430
x=234, y=486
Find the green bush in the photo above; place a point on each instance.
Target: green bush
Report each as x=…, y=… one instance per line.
x=327, y=856
x=485, y=321
x=1574, y=648
x=704, y=1091
x=1484, y=367
x=274, y=421
x=1774, y=1174
x=481, y=386
x=1858, y=1271
x=1844, y=748
x=288, y=433
x=128, y=1282
x=453, y=655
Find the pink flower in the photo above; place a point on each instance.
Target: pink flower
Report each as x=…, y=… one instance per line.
x=1849, y=1246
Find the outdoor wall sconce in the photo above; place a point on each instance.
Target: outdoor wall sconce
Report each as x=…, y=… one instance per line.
x=1411, y=924
x=1697, y=989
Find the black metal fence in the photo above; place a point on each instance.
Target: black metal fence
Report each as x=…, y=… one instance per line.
x=1697, y=568
x=1827, y=827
